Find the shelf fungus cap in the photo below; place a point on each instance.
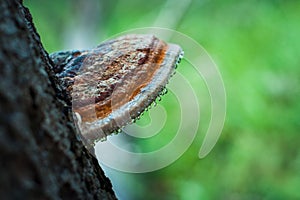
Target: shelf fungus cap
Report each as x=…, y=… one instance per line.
x=112, y=84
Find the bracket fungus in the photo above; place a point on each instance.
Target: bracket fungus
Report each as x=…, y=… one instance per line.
x=113, y=84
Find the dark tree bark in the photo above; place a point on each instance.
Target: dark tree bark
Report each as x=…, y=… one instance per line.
x=42, y=157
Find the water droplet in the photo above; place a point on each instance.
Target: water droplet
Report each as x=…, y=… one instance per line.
x=159, y=98
x=165, y=91
x=103, y=139
x=154, y=103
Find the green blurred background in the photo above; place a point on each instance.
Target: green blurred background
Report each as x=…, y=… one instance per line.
x=256, y=46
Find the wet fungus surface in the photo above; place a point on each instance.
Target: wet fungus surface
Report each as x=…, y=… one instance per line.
x=112, y=84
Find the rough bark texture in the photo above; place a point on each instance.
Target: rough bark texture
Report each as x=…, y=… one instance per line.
x=41, y=155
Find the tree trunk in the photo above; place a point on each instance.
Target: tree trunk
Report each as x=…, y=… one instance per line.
x=42, y=157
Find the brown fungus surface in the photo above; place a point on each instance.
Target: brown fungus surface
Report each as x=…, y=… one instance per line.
x=114, y=83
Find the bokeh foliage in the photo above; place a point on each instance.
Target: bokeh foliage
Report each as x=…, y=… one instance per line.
x=256, y=46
